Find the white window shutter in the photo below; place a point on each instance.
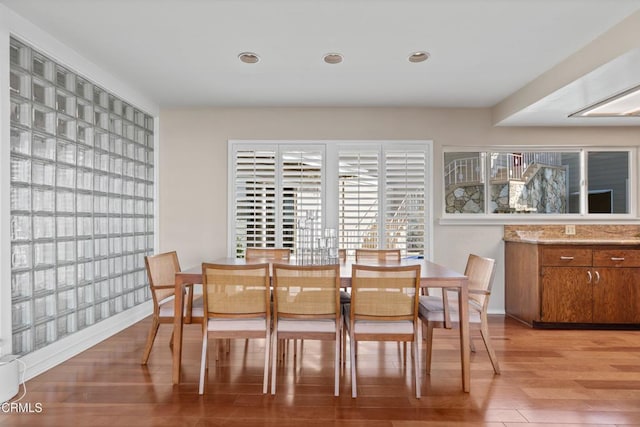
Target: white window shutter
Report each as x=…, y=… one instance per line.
x=404, y=196
x=358, y=194
x=255, y=199
x=301, y=189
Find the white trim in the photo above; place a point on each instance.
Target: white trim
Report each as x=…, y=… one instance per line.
x=430, y=214
x=507, y=219
x=52, y=355
x=5, y=211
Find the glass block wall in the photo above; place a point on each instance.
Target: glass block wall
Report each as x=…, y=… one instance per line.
x=81, y=201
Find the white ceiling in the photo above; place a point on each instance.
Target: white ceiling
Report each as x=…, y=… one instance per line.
x=183, y=53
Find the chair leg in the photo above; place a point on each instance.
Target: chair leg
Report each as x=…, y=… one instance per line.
x=187, y=316
x=417, y=351
x=267, y=341
x=203, y=361
x=343, y=333
x=429, y=347
x=472, y=346
x=171, y=341
x=155, y=324
x=484, y=331
x=274, y=359
x=354, y=387
x=336, y=364
x=404, y=353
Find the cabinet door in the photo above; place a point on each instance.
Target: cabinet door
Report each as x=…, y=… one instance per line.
x=567, y=295
x=616, y=295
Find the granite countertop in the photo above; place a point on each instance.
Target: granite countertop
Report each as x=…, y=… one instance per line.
x=613, y=234
x=574, y=241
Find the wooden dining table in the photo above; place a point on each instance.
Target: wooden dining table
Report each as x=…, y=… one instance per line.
x=432, y=275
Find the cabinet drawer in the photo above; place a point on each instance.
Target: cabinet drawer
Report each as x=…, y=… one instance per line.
x=566, y=256
x=616, y=258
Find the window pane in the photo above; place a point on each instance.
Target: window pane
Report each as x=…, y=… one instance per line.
x=518, y=182
x=531, y=182
x=608, y=181
x=464, y=182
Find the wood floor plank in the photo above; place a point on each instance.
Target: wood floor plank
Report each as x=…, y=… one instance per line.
x=549, y=377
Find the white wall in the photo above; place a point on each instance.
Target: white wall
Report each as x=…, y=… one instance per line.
x=13, y=24
x=193, y=165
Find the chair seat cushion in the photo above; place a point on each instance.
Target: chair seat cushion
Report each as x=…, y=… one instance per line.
x=379, y=327
x=383, y=327
x=249, y=324
x=168, y=304
x=304, y=325
x=431, y=308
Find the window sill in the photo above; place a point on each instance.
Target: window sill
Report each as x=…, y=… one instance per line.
x=507, y=219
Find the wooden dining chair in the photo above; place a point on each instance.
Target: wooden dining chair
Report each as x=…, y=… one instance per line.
x=270, y=254
x=306, y=305
x=384, y=307
x=377, y=255
x=381, y=256
x=480, y=272
x=237, y=301
x=161, y=272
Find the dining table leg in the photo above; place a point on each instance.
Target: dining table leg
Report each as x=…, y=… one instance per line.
x=177, y=329
x=465, y=349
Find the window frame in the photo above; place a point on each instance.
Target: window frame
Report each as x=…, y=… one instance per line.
x=506, y=218
x=330, y=178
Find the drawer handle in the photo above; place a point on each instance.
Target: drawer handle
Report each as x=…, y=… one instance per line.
x=566, y=258
x=613, y=258
x=589, y=276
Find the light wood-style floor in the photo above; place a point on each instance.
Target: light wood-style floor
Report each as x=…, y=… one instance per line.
x=549, y=377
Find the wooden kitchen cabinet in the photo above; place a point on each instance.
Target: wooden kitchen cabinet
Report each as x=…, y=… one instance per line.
x=554, y=284
x=567, y=295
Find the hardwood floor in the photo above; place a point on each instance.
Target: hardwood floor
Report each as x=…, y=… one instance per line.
x=549, y=377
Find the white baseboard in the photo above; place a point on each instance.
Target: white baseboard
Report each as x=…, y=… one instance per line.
x=47, y=357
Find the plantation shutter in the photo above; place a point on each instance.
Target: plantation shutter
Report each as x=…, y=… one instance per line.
x=404, y=196
x=301, y=189
x=358, y=203
x=255, y=199
x=283, y=194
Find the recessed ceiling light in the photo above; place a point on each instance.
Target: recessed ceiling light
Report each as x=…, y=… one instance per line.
x=249, y=57
x=333, y=58
x=419, y=56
